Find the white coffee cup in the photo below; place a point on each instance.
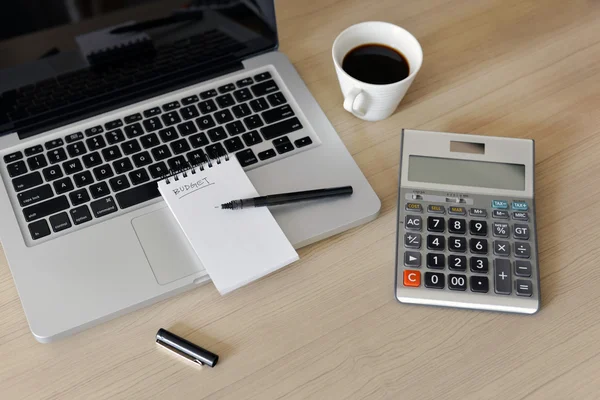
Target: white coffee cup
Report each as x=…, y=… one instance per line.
x=367, y=101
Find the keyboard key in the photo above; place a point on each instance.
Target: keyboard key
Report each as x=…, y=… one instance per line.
x=13, y=157
x=479, y=264
x=94, y=130
x=242, y=95
x=412, y=240
x=137, y=195
x=284, y=148
x=262, y=76
x=207, y=107
x=523, y=268
x=457, y=263
x=234, y=144
x=152, y=124
x=198, y=140
x=413, y=222
x=259, y=105
x=241, y=110
x=478, y=228
x=103, y=207
x=226, y=88
x=435, y=242
x=215, y=151
x=130, y=147
x=83, y=178
x=72, y=166
x=158, y=170
x=180, y=146
x=39, y=229
x=500, y=229
x=168, y=134
x=189, y=112
x=522, y=250
x=60, y=222
x=133, y=118
x=281, y=128
x=235, y=128
x=52, y=144
x=457, y=244
x=161, y=152
x=149, y=141
x=119, y=183
x=436, y=224
x=91, y=160
x=245, y=157
x=196, y=157
x=478, y=212
x=264, y=88
x=305, y=141
x=35, y=162
x=208, y=94
x=223, y=116
x=171, y=118
x=99, y=189
x=16, y=169
x=115, y=136
x=48, y=207
x=111, y=153
x=412, y=259
x=244, y=82
x=457, y=226
x=217, y=134
x=103, y=172
x=500, y=214
x=80, y=215
x=277, y=114
x=478, y=246
x=79, y=197
x=434, y=280
x=63, y=185
x=276, y=99
x=189, y=100
x=57, y=155
x=139, y=176
x=141, y=159
x=35, y=195
x=501, y=204
x=520, y=216
x=76, y=149
x=502, y=276
x=177, y=163
x=152, y=112
x=521, y=232
x=133, y=131
x=265, y=155
x=205, y=122
x=253, y=122
x=113, y=124
x=73, y=137
x=281, y=140
x=501, y=248
x=123, y=165
x=457, y=282
x=95, y=143
x=187, y=128
x=33, y=150
x=436, y=261
x=251, y=138
x=524, y=288
x=479, y=284
x=27, y=181
x=225, y=101
x=171, y=106
x=412, y=278
x=52, y=173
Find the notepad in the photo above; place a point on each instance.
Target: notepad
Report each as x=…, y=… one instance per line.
x=235, y=247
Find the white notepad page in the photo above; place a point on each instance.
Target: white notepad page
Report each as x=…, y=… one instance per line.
x=236, y=247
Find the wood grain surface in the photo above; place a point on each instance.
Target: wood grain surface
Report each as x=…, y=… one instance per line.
x=328, y=327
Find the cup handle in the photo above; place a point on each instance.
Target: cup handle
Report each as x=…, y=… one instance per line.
x=350, y=100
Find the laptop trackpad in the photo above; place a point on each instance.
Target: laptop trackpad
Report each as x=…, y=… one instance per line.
x=167, y=249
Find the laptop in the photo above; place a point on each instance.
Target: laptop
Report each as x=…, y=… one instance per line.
x=98, y=101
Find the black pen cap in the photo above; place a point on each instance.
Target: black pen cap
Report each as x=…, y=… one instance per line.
x=179, y=344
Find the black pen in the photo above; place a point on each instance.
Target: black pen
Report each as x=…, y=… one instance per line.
x=285, y=198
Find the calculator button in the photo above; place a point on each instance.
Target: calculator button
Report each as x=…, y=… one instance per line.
x=478, y=246
x=502, y=278
x=524, y=288
x=457, y=210
x=434, y=209
x=416, y=207
x=502, y=204
x=436, y=261
x=457, y=263
x=457, y=226
x=480, y=284
x=500, y=214
x=412, y=259
x=434, y=280
x=435, y=242
x=478, y=228
x=436, y=224
x=501, y=248
x=412, y=240
x=521, y=232
x=479, y=264
x=522, y=250
x=412, y=278
x=523, y=268
x=457, y=244
x=478, y=212
x=519, y=206
x=412, y=222
x=457, y=282
x=500, y=229
x=520, y=216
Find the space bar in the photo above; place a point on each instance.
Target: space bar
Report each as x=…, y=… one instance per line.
x=137, y=195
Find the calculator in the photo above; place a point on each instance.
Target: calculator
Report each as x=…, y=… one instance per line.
x=466, y=222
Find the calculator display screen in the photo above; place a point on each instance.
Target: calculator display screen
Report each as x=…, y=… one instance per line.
x=451, y=171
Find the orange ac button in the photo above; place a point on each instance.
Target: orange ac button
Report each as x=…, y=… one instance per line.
x=412, y=278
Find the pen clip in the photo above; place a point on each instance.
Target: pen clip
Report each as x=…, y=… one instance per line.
x=181, y=353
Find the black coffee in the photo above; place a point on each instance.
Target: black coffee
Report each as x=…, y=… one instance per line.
x=376, y=63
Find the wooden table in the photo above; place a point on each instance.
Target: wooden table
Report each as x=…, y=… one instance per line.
x=328, y=326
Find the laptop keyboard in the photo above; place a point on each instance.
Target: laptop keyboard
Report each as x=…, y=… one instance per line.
x=78, y=178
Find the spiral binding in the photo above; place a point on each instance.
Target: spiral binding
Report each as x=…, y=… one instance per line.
x=174, y=176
